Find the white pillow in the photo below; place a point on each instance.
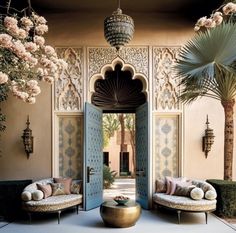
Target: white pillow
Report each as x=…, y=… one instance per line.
x=26, y=196
x=197, y=194
x=37, y=195
x=210, y=195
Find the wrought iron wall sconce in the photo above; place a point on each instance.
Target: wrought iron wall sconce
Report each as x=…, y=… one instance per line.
x=208, y=139
x=28, y=139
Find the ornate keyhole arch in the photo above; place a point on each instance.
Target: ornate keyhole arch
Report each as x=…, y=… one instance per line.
x=118, y=88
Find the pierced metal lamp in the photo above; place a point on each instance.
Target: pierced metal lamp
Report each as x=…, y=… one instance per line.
x=118, y=28
x=208, y=139
x=28, y=139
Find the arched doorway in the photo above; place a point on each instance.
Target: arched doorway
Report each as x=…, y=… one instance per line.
x=117, y=89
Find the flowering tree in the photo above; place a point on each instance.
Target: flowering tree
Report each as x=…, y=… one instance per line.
x=25, y=59
x=207, y=67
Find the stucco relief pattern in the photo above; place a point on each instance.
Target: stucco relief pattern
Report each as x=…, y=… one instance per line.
x=69, y=86
x=166, y=146
x=165, y=84
x=70, y=146
x=136, y=56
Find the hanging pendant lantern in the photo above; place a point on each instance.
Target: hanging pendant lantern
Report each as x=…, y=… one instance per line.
x=118, y=28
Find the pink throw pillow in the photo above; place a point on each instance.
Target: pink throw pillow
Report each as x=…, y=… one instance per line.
x=171, y=184
x=46, y=189
x=66, y=182
x=168, y=188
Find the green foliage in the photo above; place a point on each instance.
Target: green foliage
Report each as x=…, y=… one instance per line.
x=226, y=197
x=110, y=125
x=108, y=177
x=207, y=64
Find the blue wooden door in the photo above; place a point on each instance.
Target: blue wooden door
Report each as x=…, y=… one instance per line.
x=142, y=156
x=93, y=157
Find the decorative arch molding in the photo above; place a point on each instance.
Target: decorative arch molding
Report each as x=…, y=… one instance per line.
x=127, y=69
x=124, y=67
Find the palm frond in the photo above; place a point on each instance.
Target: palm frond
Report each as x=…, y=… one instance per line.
x=203, y=62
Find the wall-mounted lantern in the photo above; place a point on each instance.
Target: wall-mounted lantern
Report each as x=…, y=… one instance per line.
x=208, y=139
x=28, y=139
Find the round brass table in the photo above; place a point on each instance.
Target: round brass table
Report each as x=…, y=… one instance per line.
x=114, y=215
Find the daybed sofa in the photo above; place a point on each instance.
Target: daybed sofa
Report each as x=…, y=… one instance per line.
x=35, y=197
x=188, y=196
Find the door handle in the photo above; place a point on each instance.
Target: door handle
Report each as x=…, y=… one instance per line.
x=140, y=172
x=90, y=172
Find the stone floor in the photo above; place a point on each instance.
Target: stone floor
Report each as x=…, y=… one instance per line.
x=125, y=187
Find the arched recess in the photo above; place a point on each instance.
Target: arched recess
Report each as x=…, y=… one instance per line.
x=118, y=87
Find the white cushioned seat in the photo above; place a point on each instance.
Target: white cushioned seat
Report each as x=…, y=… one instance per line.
x=184, y=203
x=53, y=203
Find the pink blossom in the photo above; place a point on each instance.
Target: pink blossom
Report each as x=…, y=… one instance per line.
x=31, y=47
x=201, y=21
x=5, y=40
x=21, y=95
x=30, y=100
x=3, y=78
x=62, y=64
x=49, y=50
x=32, y=83
x=217, y=17
x=40, y=71
x=229, y=8
x=26, y=22
x=196, y=28
x=22, y=34
x=39, y=40
x=48, y=79
x=41, y=20
x=18, y=48
x=10, y=21
x=41, y=29
x=13, y=30
x=209, y=23
x=35, y=90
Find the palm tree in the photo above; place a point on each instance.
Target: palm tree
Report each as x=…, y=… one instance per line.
x=207, y=67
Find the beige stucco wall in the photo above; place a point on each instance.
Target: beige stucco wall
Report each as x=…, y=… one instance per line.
x=13, y=160
x=195, y=163
x=86, y=29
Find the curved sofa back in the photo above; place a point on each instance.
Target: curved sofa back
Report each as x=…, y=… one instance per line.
x=33, y=187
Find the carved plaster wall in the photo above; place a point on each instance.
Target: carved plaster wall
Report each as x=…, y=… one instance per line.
x=100, y=56
x=69, y=86
x=165, y=85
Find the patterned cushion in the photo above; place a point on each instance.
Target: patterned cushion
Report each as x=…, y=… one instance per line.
x=37, y=195
x=183, y=189
x=75, y=188
x=171, y=183
x=197, y=194
x=46, y=189
x=58, y=189
x=161, y=186
x=66, y=182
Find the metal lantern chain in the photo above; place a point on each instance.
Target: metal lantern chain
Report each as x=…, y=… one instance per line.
x=118, y=28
